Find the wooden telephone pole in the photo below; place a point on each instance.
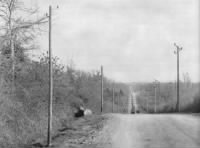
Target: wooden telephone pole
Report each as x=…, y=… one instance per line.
x=155, y=106
x=147, y=105
x=156, y=82
x=101, y=89
x=119, y=96
x=113, y=98
x=178, y=49
x=50, y=85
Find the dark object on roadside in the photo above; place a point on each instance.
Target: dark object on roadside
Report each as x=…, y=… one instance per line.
x=79, y=112
x=134, y=112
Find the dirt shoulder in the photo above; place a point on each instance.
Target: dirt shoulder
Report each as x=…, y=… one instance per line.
x=84, y=133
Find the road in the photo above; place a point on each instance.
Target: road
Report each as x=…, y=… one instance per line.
x=153, y=131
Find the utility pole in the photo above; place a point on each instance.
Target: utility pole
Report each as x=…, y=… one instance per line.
x=134, y=102
x=101, y=89
x=50, y=85
x=131, y=101
x=118, y=100
x=113, y=98
x=118, y=103
x=155, y=107
x=178, y=49
x=147, y=105
x=155, y=91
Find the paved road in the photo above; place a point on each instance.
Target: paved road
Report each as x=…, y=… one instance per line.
x=154, y=131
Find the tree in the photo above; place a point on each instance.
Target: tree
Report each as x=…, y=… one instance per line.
x=18, y=27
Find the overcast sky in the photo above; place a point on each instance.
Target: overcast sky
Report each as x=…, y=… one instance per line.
x=132, y=39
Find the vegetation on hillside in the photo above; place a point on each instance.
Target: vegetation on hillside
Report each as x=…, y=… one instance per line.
x=24, y=109
x=25, y=89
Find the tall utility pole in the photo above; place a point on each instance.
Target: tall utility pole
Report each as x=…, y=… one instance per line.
x=113, y=98
x=50, y=86
x=101, y=89
x=178, y=49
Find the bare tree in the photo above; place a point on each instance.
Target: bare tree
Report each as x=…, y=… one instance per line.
x=17, y=26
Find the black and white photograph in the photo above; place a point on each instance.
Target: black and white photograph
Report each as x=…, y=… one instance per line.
x=99, y=73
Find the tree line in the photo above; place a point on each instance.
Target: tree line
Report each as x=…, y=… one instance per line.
x=166, y=96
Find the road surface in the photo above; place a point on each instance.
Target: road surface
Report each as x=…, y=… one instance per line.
x=152, y=131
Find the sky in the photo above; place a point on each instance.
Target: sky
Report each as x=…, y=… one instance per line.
x=132, y=39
